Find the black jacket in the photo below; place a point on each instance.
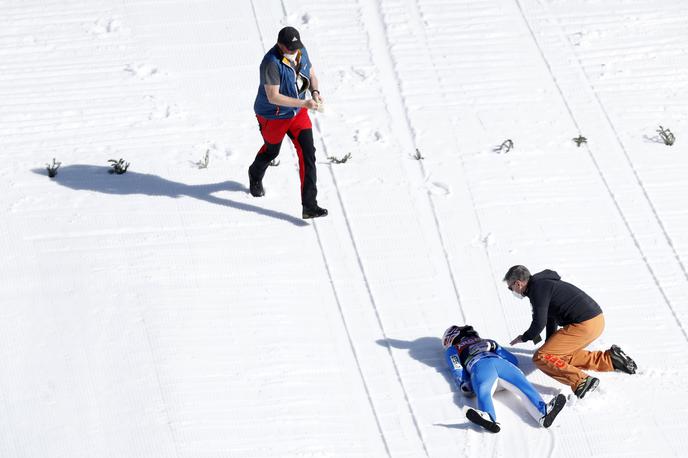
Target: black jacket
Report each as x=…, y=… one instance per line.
x=556, y=303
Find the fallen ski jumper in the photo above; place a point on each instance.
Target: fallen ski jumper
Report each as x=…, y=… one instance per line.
x=480, y=366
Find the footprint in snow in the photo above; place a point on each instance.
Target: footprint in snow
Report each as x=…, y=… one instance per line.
x=105, y=27
x=306, y=19
x=142, y=71
x=438, y=189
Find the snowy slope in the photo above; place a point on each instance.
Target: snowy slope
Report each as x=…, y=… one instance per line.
x=166, y=313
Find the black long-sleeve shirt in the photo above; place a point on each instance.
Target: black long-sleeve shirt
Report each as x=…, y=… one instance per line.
x=556, y=303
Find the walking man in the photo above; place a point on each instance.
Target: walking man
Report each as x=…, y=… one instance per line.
x=286, y=75
x=563, y=355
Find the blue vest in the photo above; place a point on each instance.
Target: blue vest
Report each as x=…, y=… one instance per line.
x=288, y=86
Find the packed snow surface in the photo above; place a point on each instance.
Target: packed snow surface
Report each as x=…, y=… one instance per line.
x=165, y=312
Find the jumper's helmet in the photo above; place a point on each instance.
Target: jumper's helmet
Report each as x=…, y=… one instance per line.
x=457, y=333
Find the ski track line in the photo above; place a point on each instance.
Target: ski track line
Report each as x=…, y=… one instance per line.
x=640, y=183
x=411, y=138
x=371, y=297
x=255, y=17
x=337, y=299
x=373, y=303
x=607, y=186
x=341, y=311
x=160, y=390
x=439, y=82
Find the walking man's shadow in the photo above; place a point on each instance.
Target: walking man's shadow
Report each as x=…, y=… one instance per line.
x=96, y=178
x=429, y=351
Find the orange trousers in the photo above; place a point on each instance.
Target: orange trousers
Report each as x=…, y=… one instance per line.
x=563, y=355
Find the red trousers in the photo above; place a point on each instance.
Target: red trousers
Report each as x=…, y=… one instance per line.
x=300, y=131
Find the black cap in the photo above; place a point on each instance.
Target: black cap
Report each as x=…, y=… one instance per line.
x=290, y=38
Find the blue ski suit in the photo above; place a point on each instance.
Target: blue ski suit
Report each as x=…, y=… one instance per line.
x=480, y=366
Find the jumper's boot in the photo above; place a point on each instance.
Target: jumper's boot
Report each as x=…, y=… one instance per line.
x=553, y=408
x=483, y=419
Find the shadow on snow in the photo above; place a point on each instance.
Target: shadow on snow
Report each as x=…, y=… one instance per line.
x=82, y=177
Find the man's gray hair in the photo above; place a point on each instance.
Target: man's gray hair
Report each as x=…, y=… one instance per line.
x=517, y=273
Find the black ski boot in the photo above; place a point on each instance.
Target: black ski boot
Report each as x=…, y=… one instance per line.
x=621, y=361
x=255, y=186
x=553, y=408
x=586, y=386
x=483, y=419
x=314, y=212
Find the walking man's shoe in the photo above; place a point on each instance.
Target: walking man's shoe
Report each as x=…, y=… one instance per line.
x=621, y=361
x=255, y=187
x=314, y=212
